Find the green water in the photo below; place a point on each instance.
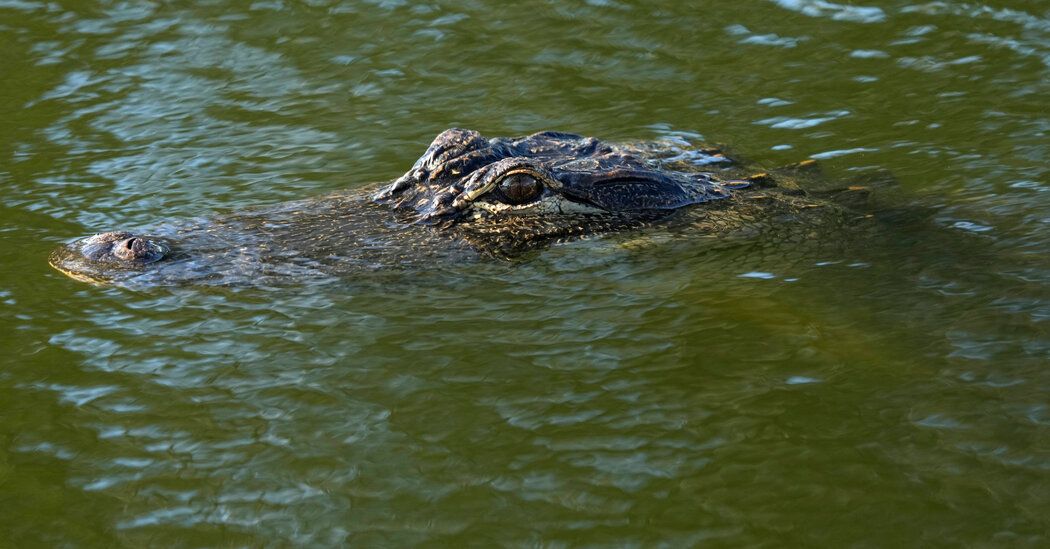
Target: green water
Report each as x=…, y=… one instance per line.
x=886, y=392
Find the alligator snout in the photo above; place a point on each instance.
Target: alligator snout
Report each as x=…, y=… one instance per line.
x=122, y=246
x=99, y=257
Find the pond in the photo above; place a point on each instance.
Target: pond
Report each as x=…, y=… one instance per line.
x=629, y=391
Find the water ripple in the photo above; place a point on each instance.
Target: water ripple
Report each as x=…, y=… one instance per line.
x=883, y=379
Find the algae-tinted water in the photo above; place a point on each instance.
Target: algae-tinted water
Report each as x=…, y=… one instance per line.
x=887, y=391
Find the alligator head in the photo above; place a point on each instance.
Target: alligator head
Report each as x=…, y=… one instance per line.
x=544, y=186
x=494, y=196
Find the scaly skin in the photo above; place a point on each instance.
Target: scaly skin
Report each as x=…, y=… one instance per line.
x=467, y=196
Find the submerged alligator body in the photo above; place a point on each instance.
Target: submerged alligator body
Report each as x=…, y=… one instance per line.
x=466, y=196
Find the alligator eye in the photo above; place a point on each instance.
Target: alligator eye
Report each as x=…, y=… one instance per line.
x=520, y=188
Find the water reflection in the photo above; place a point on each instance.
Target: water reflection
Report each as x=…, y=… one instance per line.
x=823, y=390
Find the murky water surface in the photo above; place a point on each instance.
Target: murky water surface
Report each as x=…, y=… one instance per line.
x=890, y=390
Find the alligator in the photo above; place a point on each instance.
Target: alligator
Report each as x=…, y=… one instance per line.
x=467, y=197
